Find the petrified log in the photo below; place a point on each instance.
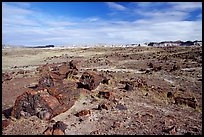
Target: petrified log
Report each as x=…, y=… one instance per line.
x=59, y=71
x=73, y=64
x=90, y=80
x=52, y=96
x=45, y=103
x=39, y=103
x=46, y=81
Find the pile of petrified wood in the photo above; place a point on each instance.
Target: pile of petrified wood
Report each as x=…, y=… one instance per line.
x=54, y=95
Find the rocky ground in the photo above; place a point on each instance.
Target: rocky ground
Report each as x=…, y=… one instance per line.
x=149, y=90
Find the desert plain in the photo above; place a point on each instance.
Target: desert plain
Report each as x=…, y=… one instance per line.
x=165, y=97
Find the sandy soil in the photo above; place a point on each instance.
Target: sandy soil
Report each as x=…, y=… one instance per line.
x=141, y=111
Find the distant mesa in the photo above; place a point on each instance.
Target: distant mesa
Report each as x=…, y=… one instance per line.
x=47, y=46
x=176, y=43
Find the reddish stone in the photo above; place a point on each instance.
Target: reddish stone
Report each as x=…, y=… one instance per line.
x=105, y=94
x=33, y=102
x=6, y=76
x=48, y=131
x=103, y=106
x=58, y=132
x=60, y=125
x=52, y=95
x=63, y=69
x=58, y=129
x=90, y=80
x=5, y=123
x=56, y=76
x=83, y=113
x=46, y=81
x=74, y=65
x=140, y=83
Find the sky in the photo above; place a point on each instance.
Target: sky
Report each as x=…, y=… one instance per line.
x=62, y=23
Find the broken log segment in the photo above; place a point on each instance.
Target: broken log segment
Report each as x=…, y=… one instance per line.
x=39, y=103
x=90, y=80
x=45, y=103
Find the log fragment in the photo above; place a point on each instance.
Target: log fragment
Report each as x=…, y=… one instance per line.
x=90, y=80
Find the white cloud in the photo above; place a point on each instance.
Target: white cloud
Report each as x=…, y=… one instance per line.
x=11, y=9
x=144, y=4
x=22, y=4
x=21, y=27
x=185, y=6
x=163, y=16
x=116, y=6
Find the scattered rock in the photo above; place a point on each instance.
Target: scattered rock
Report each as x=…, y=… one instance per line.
x=150, y=65
x=140, y=83
x=5, y=123
x=170, y=95
x=105, y=94
x=6, y=77
x=48, y=131
x=171, y=130
x=22, y=71
x=121, y=107
x=129, y=86
x=175, y=67
x=105, y=81
x=73, y=64
x=83, y=113
x=58, y=132
x=148, y=71
x=45, y=81
x=44, y=115
x=39, y=103
x=103, y=106
x=155, y=67
x=58, y=129
x=191, y=102
x=60, y=125
x=90, y=80
x=116, y=124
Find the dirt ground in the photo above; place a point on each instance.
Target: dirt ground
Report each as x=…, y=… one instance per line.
x=142, y=110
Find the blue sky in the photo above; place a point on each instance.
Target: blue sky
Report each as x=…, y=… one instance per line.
x=61, y=23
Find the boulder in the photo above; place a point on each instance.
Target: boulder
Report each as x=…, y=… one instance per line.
x=39, y=103
x=58, y=129
x=45, y=103
x=90, y=80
